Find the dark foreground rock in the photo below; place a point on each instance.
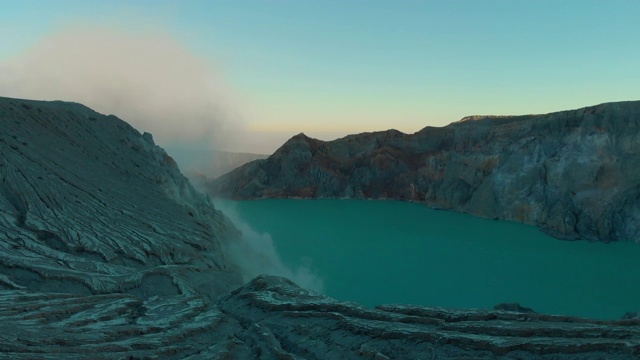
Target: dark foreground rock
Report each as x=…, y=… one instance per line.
x=102, y=240
x=286, y=320
x=89, y=205
x=573, y=173
x=107, y=252
x=272, y=318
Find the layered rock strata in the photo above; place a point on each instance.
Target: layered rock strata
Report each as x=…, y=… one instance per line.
x=292, y=323
x=89, y=205
x=272, y=318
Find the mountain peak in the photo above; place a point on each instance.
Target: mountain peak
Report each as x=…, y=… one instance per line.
x=465, y=166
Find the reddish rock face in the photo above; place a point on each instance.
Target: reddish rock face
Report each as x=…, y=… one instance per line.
x=573, y=173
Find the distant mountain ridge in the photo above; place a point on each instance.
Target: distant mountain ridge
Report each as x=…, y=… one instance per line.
x=209, y=163
x=574, y=173
x=227, y=161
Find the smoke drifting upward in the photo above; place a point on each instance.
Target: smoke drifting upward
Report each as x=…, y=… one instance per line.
x=256, y=254
x=148, y=79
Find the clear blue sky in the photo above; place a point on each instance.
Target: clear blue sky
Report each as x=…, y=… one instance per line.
x=372, y=65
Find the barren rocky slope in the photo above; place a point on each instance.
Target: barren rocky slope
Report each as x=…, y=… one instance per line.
x=575, y=174
x=107, y=252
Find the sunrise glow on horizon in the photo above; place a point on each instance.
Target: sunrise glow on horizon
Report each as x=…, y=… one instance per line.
x=335, y=66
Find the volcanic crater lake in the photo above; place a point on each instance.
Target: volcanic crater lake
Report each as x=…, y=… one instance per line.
x=377, y=252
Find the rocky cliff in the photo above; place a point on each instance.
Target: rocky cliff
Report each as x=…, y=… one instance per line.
x=575, y=174
x=107, y=252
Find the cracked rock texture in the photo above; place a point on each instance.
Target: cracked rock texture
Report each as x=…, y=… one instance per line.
x=575, y=174
x=90, y=206
x=292, y=323
x=107, y=252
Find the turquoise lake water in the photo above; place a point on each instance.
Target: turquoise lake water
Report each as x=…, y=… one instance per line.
x=376, y=252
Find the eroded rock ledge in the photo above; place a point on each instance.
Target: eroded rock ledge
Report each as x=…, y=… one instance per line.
x=272, y=318
x=298, y=323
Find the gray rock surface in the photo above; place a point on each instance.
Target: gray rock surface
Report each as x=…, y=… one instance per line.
x=89, y=205
x=107, y=252
x=102, y=240
x=293, y=323
x=575, y=174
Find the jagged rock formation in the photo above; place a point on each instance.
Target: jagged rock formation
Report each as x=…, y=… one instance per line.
x=287, y=320
x=272, y=318
x=107, y=252
x=573, y=173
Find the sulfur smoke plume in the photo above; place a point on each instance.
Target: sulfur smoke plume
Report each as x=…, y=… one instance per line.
x=148, y=79
x=153, y=82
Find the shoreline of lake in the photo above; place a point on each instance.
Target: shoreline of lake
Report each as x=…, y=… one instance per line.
x=424, y=256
